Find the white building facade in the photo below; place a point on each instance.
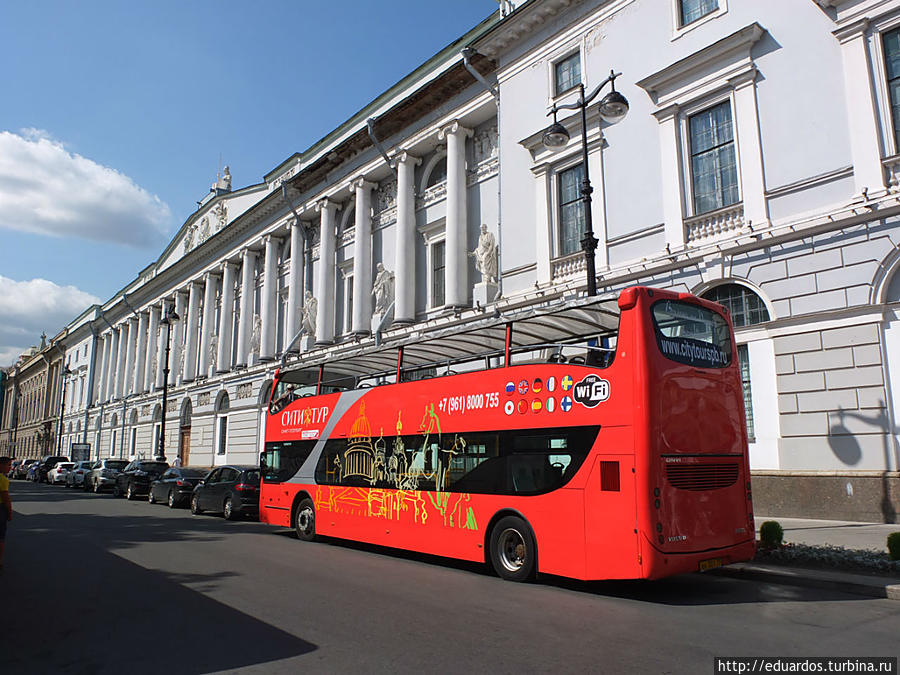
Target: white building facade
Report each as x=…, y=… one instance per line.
x=758, y=166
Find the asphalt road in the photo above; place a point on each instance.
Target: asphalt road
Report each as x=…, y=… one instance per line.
x=94, y=584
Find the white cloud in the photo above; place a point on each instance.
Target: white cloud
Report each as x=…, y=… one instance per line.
x=28, y=308
x=45, y=189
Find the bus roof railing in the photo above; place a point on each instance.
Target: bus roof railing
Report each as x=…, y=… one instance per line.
x=460, y=337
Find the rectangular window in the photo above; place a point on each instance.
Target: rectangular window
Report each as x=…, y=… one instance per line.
x=133, y=448
x=571, y=209
x=567, y=74
x=892, y=68
x=744, y=361
x=713, y=166
x=437, y=273
x=691, y=10
x=348, y=294
x=223, y=433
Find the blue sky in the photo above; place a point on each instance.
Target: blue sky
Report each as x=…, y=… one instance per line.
x=113, y=117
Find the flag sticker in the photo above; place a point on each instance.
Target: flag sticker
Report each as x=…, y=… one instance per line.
x=551, y=404
x=537, y=385
x=523, y=387
x=551, y=384
x=523, y=406
x=536, y=405
x=566, y=403
x=509, y=408
x=510, y=388
x=567, y=383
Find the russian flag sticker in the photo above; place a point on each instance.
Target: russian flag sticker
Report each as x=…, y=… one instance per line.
x=551, y=404
x=566, y=403
x=510, y=388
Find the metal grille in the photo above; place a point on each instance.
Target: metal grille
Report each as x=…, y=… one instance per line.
x=702, y=476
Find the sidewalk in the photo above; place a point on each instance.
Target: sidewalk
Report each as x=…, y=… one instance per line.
x=850, y=535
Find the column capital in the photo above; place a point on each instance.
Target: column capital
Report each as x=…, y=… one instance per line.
x=454, y=128
x=246, y=252
x=326, y=204
x=360, y=183
x=403, y=157
x=271, y=237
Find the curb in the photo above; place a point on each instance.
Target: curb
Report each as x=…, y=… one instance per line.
x=845, y=582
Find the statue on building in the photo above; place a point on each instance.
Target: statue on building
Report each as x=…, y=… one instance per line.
x=310, y=310
x=213, y=351
x=221, y=213
x=383, y=289
x=223, y=182
x=486, y=256
x=256, y=335
x=204, y=230
x=189, y=237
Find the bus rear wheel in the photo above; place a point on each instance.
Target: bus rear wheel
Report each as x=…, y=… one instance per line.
x=305, y=520
x=513, y=551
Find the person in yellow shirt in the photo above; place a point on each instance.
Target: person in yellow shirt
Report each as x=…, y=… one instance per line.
x=6, y=512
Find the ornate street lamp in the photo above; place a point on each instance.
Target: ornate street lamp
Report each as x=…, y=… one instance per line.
x=62, y=409
x=170, y=318
x=613, y=108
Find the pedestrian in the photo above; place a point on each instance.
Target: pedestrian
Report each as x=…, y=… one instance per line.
x=177, y=461
x=6, y=513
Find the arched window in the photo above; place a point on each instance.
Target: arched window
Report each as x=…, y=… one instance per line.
x=187, y=410
x=114, y=434
x=223, y=405
x=132, y=443
x=157, y=427
x=893, y=290
x=438, y=173
x=746, y=309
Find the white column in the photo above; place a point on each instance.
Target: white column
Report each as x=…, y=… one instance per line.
x=104, y=368
x=192, y=321
x=113, y=366
x=245, y=326
x=120, y=366
x=207, y=324
x=161, y=347
x=405, y=286
x=325, y=290
x=268, y=311
x=226, y=319
x=362, y=257
x=673, y=209
x=140, y=356
x=865, y=148
x=457, y=291
x=131, y=326
x=178, y=332
x=295, y=287
x=152, y=350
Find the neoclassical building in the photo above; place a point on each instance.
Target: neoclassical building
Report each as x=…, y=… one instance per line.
x=758, y=165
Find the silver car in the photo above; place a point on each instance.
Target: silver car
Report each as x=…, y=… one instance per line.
x=102, y=475
x=75, y=476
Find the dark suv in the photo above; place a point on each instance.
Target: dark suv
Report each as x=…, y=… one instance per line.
x=47, y=463
x=232, y=491
x=134, y=480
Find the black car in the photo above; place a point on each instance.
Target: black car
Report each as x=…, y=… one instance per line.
x=134, y=480
x=175, y=486
x=47, y=463
x=232, y=491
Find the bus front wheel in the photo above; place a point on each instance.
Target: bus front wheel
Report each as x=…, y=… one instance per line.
x=305, y=520
x=513, y=550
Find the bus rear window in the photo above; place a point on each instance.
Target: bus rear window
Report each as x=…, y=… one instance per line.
x=691, y=334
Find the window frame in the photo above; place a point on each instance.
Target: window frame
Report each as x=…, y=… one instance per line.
x=555, y=91
x=432, y=234
x=679, y=29
x=880, y=27
x=691, y=112
x=558, y=206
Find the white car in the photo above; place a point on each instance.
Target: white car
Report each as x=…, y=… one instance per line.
x=75, y=475
x=58, y=473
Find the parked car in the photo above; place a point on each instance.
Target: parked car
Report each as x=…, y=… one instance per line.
x=75, y=477
x=103, y=474
x=134, y=480
x=58, y=473
x=232, y=491
x=176, y=485
x=44, y=466
x=21, y=471
x=12, y=467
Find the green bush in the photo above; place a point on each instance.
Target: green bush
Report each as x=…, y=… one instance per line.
x=771, y=534
x=893, y=544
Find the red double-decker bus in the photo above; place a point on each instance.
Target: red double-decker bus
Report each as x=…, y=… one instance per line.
x=592, y=438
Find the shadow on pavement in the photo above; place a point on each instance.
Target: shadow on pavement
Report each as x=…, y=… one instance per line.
x=74, y=606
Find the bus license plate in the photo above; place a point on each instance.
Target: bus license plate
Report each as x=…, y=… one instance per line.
x=710, y=564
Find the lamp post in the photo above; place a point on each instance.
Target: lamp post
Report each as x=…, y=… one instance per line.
x=613, y=108
x=62, y=408
x=170, y=318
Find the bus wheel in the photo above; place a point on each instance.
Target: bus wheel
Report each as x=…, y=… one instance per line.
x=305, y=520
x=513, y=549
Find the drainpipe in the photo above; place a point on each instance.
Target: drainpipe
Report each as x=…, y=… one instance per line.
x=467, y=53
x=370, y=123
